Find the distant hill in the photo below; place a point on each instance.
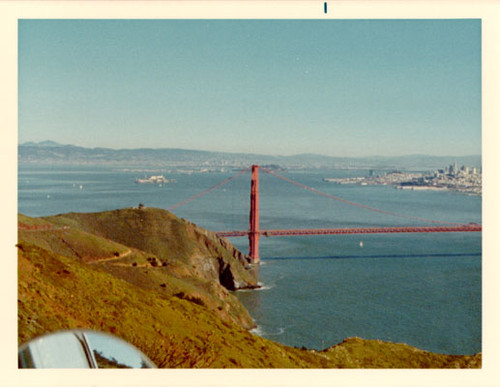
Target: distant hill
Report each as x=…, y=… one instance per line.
x=47, y=143
x=50, y=152
x=162, y=284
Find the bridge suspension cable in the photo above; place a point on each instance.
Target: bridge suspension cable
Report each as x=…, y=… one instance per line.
x=208, y=190
x=353, y=203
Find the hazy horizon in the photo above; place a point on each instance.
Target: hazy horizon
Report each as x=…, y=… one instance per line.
x=37, y=143
x=338, y=88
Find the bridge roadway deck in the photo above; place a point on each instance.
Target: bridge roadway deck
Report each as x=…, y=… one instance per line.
x=362, y=230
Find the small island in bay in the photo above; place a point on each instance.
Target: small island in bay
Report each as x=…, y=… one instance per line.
x=157, y=179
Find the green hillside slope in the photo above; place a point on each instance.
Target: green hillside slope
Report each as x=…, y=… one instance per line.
x=155, y=281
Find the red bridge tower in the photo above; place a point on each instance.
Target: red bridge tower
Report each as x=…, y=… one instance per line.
x=254, y=232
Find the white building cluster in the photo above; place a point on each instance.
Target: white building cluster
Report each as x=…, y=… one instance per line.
x=463, y=179
x=454, y=171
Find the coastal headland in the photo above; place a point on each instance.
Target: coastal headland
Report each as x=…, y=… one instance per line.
x=166, y=285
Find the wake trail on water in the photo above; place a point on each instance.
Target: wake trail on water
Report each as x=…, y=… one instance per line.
x=438, y=255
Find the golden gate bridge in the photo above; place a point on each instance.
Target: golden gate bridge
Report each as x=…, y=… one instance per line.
x=254, y=232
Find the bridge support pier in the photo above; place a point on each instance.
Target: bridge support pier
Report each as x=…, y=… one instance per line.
x=254, y=233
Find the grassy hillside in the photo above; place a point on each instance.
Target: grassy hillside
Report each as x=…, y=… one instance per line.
x=160, y=254
x=80, y=271
x=170, y=239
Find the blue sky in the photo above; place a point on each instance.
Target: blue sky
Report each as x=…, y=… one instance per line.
x=332, y=87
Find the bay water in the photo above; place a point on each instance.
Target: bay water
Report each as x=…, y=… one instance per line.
x=420, y=289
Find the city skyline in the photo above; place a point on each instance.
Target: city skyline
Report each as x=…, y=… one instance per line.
x=284, y=87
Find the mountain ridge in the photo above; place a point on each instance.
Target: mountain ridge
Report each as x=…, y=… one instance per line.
x=51, y=152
